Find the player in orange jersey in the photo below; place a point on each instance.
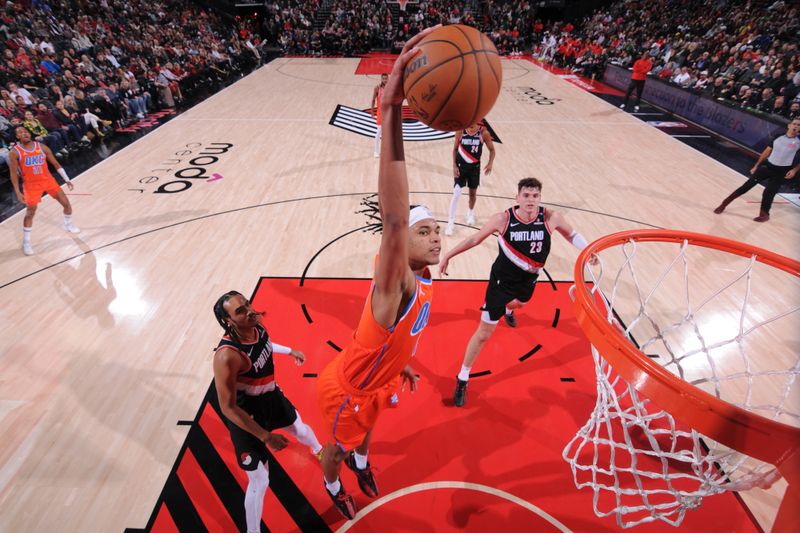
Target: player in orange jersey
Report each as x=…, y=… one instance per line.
x=29, y=159
x=375, y=109
x=365, y=377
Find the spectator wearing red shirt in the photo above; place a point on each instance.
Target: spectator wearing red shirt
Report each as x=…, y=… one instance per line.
x=641, y=67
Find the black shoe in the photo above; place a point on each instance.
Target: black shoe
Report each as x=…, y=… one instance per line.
x=343, y=502
x=366, y=481
x=460, y=396
x=511, y=320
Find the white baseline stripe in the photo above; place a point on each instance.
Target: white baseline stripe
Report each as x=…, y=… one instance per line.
x=360, y=123
x=356, y=120
x=453, y=485
x=356, y=113
x=357, y=116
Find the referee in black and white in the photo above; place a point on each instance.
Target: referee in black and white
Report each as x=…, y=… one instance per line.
x=776, y=164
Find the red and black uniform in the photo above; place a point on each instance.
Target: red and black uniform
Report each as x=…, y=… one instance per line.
x=523, y=250
x=468, y=159
x=259, y=396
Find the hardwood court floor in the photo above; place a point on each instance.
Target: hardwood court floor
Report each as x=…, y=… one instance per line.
x=106, y=335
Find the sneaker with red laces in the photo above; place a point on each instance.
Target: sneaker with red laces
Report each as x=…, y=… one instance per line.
x=343, y=502
x=366, y=481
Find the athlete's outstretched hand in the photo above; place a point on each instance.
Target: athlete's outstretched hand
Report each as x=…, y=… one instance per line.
x=393, y=93
x=443, y=264
x=410, y=377
x=276, y=441
x=299, y=357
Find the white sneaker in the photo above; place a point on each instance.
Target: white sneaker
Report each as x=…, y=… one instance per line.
x=449, y=229
x=376, y=154
x=71, y=228
x=470, y=219
x=622, y=106
x=27, y=249
x=635, y=108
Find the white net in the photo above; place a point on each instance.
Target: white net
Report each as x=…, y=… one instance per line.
x=729, y=329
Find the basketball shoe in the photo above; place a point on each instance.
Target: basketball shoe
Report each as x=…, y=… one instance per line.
x=460, y=396
x=366, y=481
x=72, y=228
x=511, y=320
x=343, y=502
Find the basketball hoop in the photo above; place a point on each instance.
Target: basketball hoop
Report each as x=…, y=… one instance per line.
x=403, y=4
x=683, y=410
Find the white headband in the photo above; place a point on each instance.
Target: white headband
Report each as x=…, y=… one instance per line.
x=419, y=213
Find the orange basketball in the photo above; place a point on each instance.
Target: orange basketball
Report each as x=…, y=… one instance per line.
x=454, y=80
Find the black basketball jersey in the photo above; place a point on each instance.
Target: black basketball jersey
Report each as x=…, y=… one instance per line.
x=524, y=246
x=470, y=148
x=259, y=377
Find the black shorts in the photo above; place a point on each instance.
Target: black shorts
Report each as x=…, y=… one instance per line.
x=500, y=292
x=468, y=175
x=271, y=411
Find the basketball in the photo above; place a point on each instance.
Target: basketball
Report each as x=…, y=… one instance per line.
x=454, y=80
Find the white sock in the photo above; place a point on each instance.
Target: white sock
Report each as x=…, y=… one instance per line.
x=334, y=487
x=67, y=220
x=304, y=434
x=254, y=496
x=361, y=460
x=378, y=140
x=509, y=311
x=26, y=235
x=470, y=213
x=454, y=204
x=464, y=374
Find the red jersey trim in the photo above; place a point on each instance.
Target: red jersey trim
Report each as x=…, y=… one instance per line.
x=237, y=350
x=517, y=257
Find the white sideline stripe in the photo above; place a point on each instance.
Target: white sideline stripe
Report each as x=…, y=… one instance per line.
x=452, y=485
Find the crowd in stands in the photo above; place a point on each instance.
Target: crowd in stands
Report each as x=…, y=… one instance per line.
x=742, y=52
x=74, y=71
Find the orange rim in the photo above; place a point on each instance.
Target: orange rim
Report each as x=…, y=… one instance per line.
x=749, y=433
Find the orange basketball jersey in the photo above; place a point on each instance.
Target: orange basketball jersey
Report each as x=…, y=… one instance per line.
x=376, y=355
x=32, y=163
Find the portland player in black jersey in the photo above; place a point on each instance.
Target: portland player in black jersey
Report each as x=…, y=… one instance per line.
x=467, y=169
x=524, y=234
x=252, y=403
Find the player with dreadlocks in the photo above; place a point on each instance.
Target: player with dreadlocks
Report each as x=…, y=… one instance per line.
x=362, y=380
x=251, y=402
